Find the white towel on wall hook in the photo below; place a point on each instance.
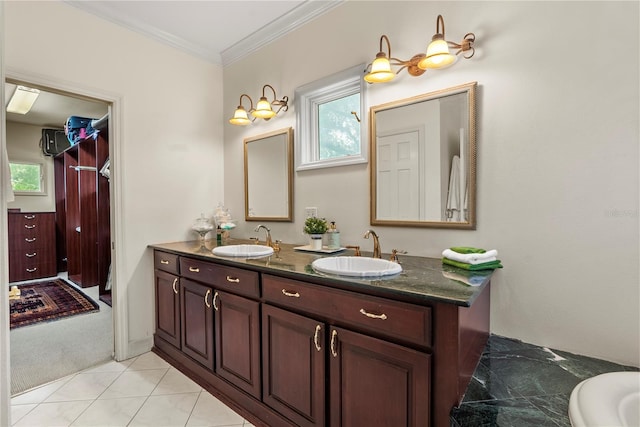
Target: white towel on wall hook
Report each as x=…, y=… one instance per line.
x=453, y=198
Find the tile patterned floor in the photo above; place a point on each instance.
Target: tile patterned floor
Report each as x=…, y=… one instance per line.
x=143, y=391
x=521, y=385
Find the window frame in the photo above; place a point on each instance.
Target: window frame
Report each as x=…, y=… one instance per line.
x=43, y=179
x=322, y=91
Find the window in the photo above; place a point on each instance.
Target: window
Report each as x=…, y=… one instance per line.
x=331, y=121
x=27, y=178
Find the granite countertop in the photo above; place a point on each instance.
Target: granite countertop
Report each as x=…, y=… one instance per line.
x=422, y=280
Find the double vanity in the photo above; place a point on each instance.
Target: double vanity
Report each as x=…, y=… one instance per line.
x=285, y=344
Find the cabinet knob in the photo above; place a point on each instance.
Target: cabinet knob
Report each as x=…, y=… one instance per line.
x=164, y=261
x=290, y=294
x=206, y=298
x=194, y=269
x=175, y=282
x=316, y=339
x=373, y=316
x=29, y=227
x=29, y=217
x=28, y=240
x=31, y=255
x=233, y=279
x=215, y=298
x=31, y=270
x=334, y=342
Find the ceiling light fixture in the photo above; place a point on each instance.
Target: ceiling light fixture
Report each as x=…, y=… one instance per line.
x=437, y=56
x=22, y=100
x=263, y=110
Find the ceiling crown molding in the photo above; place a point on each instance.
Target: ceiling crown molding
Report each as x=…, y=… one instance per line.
x=294, y=19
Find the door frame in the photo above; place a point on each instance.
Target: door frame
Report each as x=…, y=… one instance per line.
x=119, y=304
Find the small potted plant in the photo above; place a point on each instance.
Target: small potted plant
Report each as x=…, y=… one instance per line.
x=315, y=228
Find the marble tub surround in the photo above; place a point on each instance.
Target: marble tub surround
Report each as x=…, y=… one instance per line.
x=422, y=279
x=519, y=384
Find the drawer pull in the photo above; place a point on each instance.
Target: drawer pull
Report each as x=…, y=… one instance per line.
x=29, y=240
x=334, y=336
x=206, y=298
x=215, y=298
x=31, y=270
x=31, y=255
x=373, y=316
x=194, y=269
x=29, y=217
x=29, y=227
x=164, y=261
x=175, y=282
x=233, y=279
x=315, y=338
x=290, y=294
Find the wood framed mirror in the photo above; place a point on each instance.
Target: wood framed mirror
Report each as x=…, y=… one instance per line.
x=268, y=176
x=423, y=160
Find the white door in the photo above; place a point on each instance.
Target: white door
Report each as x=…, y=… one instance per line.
x=398, y=178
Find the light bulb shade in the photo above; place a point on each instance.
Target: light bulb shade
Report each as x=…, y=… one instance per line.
x=240, y=117
x=263, y=109
x=438, y=55
x=380, y=70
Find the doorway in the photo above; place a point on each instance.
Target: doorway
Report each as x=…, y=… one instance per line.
x=56, y=345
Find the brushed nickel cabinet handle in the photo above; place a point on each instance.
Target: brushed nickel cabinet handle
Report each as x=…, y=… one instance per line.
x=334, y=336
x=175, y=282
x=233, y=279
x=206, y=298
x=31, y=270
x=290, y=294
x=31, y=255
x=28, y=240
x=29, y=227
x=215, y=298
x=29, y=217
x=164, y=261
x=373, y=316
x=315, y=338
x=194, y=269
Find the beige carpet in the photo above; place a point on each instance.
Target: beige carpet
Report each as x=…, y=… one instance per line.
x=45, y=352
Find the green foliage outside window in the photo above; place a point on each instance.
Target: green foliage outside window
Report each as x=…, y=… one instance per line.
x=339, y=129
x=26, y=177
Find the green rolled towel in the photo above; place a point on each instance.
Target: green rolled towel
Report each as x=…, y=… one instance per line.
x=467, y=250
x=491, y=265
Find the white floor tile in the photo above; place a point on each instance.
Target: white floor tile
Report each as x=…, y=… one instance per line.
x=111, y=366
x=19, y=411
x=169, y=411
x=110, y=412
x=84, y=386
x=39, y=394
x=53, y=414
x=210, y=412
x=148, y=361
x=176, y=382
x=134, y=383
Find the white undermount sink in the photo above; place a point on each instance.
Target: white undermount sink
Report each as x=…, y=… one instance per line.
x=244, y=251
x=356, y=266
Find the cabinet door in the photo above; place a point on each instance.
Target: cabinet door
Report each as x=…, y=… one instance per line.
x=237, y=325
x=167, y=307
x=293, y=371
x=197, y=321
x=377, y=383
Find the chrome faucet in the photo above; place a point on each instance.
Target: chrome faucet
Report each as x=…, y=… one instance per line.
x=268, y=241
x=377, y=253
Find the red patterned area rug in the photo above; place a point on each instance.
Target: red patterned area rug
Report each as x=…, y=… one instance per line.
x=48, y=300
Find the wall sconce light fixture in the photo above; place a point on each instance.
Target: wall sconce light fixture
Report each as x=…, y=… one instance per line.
x=437, y=56
x=263, y=110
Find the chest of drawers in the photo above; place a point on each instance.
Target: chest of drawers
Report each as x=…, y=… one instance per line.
x=32, y=245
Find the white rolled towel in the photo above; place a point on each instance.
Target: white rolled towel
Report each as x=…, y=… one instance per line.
x=488, y=256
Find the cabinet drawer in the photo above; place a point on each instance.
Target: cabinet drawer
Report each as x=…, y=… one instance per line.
x=235, y=280
x=166, y=262
x=397, y=320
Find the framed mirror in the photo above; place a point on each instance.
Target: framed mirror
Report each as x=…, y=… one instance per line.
x=423, y=160
x=268, y=176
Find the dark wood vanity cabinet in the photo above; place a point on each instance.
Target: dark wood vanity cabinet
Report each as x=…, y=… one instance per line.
x=285, y=352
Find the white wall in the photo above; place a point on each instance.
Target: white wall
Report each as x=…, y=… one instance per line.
x=557, y=153
x=23, y=145
x=170, y=139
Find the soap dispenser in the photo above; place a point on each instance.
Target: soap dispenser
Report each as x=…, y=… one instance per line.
x=333, y=236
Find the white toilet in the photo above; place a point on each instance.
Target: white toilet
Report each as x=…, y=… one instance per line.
x=607, y=400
